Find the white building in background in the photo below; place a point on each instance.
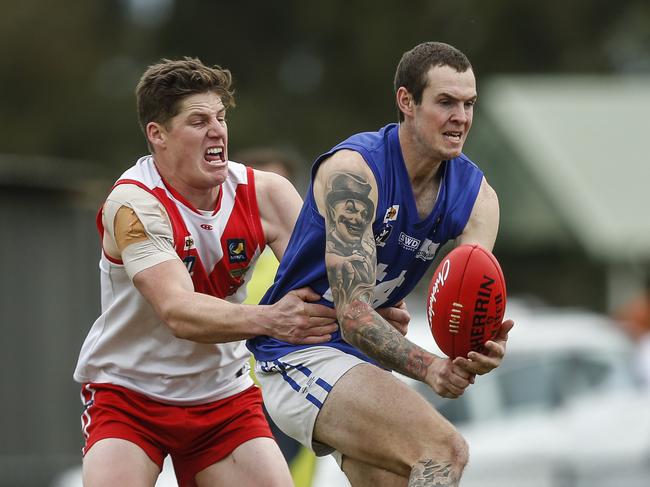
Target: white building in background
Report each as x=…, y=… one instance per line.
x=580, y=144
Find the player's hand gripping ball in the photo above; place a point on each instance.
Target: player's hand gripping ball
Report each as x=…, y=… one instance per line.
x=466, y=300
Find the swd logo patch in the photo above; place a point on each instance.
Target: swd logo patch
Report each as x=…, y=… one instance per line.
x=237, y=250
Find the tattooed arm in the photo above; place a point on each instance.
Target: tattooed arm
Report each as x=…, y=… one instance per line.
x=346, y=194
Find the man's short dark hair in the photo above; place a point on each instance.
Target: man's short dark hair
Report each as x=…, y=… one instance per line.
x=164, y=86
x=412, y=69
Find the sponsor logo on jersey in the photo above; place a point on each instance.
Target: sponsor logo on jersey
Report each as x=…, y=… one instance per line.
x=189, y=243
x=391, y=214
x=408, y=242
x=206, y=226
x=382, y=236
x=236, y=250
x=427, y=250
x=189, y=262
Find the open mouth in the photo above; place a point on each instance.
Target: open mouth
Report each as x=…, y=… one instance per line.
x=214, y=155
x=453, y=136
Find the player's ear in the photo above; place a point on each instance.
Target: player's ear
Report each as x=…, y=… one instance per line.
x=404, y=101
x=156, y=135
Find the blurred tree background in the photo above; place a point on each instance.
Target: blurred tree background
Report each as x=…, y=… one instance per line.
x=306, y=73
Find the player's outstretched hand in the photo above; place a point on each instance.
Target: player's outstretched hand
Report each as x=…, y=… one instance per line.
x=398, y=316
x=297, y=319
x=478, y=363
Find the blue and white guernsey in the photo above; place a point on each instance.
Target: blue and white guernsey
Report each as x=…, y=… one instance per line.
x=406, y=245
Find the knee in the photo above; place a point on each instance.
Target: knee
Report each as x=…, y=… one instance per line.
x=449, y=452
x=458, y=451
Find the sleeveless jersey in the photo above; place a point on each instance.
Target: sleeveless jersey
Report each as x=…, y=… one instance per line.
x=406, y=244
x=130, y=346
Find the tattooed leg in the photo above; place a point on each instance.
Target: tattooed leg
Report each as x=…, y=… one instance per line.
x=427, y=473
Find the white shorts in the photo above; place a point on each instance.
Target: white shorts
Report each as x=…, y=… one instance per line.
x=295, y=387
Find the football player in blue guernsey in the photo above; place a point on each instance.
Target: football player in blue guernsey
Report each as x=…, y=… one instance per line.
x=379, y=207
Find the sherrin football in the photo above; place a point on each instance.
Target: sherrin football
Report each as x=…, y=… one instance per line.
x=466, y=300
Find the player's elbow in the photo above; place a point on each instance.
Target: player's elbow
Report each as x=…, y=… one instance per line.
x=175, y=311
x=179, y=327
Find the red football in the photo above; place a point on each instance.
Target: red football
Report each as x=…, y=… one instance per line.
x=466, y=301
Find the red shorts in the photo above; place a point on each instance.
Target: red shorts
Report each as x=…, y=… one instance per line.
x=194, y=436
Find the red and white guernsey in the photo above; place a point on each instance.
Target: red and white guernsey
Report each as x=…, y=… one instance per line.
x=130, y=346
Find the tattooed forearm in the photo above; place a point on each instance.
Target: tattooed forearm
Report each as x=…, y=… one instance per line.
x=368, y=331
x=426, y=473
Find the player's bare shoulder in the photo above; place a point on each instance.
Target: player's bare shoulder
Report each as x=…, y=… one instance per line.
x=273, y=189
x=483, y=223
x=344, y=163
x=278, y=203
x=488, y=196
x=344, y=160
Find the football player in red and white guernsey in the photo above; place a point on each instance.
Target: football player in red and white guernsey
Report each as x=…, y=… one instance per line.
x=164, y=370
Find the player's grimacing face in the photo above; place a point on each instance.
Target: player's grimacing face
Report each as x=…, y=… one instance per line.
x=197, y=141
x=444, y=117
